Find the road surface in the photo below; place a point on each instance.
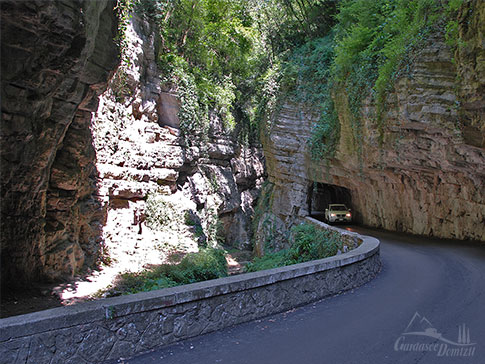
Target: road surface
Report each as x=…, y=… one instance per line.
x=441, y=284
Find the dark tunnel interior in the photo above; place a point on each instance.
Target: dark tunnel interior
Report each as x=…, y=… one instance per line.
x=320, y=195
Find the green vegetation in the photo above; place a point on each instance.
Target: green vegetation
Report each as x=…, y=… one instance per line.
x=163, y=214
x=452, y=36
x=307, y=80
x=209, y=53
x=368, y=47
x=263, y=222
x=118, y=84
x=301, y=53
x=206, y=264
x=268, y=261
x=363, y=47
x=308, y=243
x=166, y=214
x=238, y=60
x=264, y=203
x=374, y=43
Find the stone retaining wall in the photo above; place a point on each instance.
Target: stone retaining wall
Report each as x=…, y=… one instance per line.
x=351, y=238
x=123, y=326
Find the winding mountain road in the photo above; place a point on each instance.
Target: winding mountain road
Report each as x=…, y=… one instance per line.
x=442, y=281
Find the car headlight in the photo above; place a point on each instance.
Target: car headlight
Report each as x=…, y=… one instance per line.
x=348, y=214
x=333, y=215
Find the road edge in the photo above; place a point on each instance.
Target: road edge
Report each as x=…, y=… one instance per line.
x=124, y=326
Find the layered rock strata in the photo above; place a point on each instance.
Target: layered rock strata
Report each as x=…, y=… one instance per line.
x=144, y=158
x=72, y=186
x=56, y=59
x=470, y=59
x=426, y=177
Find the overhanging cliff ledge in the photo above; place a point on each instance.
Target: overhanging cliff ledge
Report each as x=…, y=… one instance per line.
x=424, y=174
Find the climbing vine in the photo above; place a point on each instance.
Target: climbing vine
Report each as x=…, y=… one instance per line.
x=237, y=60
x=307, y=80
x=370, y=45
x=208, y=54
x=119, y=84
x=375, y=42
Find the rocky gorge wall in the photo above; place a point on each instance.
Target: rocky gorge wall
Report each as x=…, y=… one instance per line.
x=154, y=178
x=86, y=145
x=428, y=174
x=56, y=60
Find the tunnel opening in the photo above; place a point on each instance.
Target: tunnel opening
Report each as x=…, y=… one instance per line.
x=320, y=195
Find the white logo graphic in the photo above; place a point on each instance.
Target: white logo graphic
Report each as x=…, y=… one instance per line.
x=420, y=327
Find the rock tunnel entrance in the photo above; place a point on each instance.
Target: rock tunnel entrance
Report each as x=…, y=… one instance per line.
x=320, y=195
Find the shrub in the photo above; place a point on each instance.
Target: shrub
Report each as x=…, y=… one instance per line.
x=309, y=243
x=206, y=264
x=163, y=214
x=268, y=261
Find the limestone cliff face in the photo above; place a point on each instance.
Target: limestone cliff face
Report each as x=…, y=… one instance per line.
x=56, y=60
x=470, y=60
x=75, y=175
x=427, y=177
x=141, y=153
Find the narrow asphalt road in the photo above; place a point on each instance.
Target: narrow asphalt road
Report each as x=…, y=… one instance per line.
x=443, y=281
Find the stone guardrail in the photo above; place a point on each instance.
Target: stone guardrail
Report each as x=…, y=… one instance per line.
x=116, y=327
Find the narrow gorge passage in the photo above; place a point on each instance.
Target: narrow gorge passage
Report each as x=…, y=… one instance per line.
x=151, y=144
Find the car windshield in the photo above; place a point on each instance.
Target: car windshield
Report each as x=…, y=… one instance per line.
x=338, y=207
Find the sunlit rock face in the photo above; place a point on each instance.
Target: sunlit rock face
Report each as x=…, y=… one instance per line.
x=77, y=169
x=426, y=177
x=141, y=153
x=56, y=60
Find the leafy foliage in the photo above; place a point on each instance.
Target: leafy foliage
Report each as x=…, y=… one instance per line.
x=288, y=24
x=237, y=59
x=264, y=203
x=307, y=80
x=373, y=42
x=360, y=51
x=309, y=243
x=209, y=53
x=299, y=40
x=162, y=214
x=268, y=261
x=119, y=84
x=206, y=264
x=166, y=214
x=452, y=26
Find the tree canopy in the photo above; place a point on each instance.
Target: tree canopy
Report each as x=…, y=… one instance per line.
x=236, y=58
